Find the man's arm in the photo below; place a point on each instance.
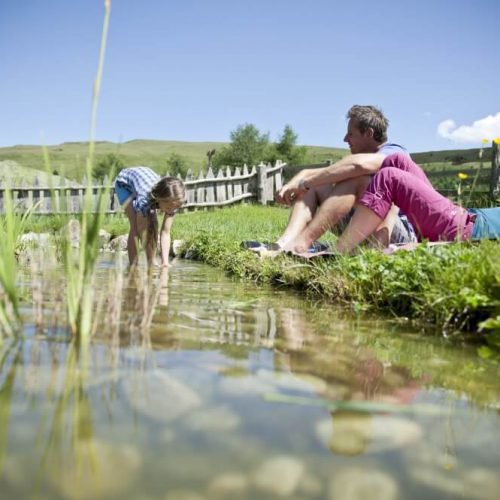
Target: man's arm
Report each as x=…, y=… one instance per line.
x=346, y=168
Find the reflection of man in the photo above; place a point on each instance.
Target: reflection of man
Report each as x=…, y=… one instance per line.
x=321, y=198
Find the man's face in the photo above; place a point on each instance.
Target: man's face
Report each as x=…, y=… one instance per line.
x=359, y=142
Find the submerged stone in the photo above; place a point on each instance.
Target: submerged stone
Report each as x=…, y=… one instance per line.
x=213, y=419
x=279, y=475
x=354, y=433
x=361, y=483
x=228, y=485
x=96, y=470
x=160, y=396
x=476, y=484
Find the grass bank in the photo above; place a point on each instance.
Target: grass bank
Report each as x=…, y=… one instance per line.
x=446, y=289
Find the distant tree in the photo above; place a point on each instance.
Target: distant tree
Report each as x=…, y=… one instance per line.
x=109, y=166
x=177, y=165
x=287, y=149
x=248, y=145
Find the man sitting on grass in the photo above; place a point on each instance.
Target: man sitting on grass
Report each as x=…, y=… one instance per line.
x=324, y=197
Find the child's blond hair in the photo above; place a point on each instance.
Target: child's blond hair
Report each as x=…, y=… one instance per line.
x=167, y=188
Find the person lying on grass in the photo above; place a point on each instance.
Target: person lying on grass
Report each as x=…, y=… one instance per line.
x=323, y=198
x=402, y=182
x=141, y=191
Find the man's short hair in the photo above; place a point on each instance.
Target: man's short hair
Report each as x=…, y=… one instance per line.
x=370, y=117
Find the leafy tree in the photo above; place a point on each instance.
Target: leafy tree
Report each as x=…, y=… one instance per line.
x=177, y=165
x=286, y=149
x=248, y=146
x=109, y=165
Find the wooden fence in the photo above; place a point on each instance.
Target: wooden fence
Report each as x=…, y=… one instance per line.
x=230, y=186
x=484, y=181
x=211, y=190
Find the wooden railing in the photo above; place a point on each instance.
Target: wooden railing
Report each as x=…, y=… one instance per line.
x=206, y=190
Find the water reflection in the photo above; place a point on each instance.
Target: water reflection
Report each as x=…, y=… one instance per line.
x=174, y=399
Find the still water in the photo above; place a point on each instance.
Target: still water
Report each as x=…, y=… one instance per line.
x=208, y=388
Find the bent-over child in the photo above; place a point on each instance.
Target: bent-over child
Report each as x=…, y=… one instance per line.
x=141, y=191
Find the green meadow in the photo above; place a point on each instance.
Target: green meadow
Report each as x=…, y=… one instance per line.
x=68, y=159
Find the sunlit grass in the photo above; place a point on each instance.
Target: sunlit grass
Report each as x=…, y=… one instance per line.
x=12, y=226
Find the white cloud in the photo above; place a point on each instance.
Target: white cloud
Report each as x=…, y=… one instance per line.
x=485, y=128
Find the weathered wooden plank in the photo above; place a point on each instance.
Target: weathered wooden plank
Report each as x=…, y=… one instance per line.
x=220, y=187
x=229, y=184
x=237, y=185
x=200, y=191
x=210, y=188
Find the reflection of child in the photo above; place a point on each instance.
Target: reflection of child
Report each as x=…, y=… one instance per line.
x=141, y=191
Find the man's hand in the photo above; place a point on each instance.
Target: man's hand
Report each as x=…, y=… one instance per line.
x=291, y=192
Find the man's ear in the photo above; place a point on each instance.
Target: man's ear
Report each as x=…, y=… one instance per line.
x=369, y=132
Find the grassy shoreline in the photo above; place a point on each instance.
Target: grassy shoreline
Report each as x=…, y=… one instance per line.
x=447, y=290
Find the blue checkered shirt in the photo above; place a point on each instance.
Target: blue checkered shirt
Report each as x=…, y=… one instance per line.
x=140, y=181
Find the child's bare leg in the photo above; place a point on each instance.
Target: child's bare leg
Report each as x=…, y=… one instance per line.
x=133, y=234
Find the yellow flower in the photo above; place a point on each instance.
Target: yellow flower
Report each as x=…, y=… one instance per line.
x=496, y=140
x=462, y=176
x=485, y=141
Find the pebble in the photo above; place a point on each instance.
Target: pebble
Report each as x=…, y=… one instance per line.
x=212, y=419
x=229, y=485
x=103, y=470
x=361, y=483
x=351, y=433
x=280, y=475
x=160, y=396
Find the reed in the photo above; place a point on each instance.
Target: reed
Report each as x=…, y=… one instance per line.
x=80, y=269
x=11, y=227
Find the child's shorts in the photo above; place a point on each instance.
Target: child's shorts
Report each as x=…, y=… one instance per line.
x=123, y=192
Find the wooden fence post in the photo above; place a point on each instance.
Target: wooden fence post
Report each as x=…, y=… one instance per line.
x=495, y=170
x=261, y=183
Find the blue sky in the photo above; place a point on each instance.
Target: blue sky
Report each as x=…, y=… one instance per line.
x=193, y=70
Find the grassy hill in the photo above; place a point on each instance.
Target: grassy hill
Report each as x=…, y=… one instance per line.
x=68, y=159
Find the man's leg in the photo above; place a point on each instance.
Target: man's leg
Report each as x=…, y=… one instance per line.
x=332, y=209
x=364, y=223
x=302, y=213
x=382, y=236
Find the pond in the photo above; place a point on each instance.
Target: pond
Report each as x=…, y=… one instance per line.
x=204, y=387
